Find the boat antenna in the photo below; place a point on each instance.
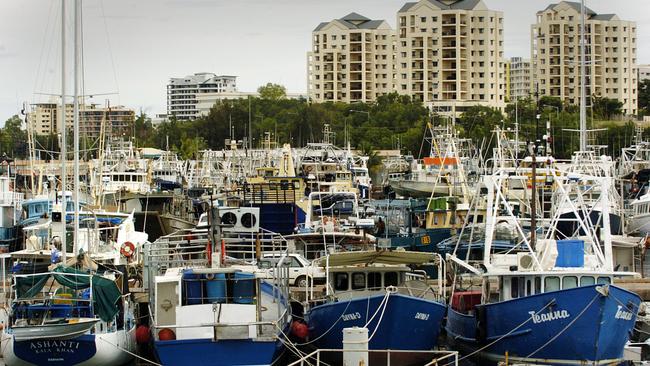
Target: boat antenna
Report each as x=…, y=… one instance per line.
x=75, y=192
x=63, y=155
x=583, y=110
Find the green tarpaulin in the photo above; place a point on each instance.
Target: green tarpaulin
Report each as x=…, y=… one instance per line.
x=105, y=292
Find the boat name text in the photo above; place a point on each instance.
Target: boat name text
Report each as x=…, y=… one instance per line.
x=550, y=316
x=351, y=316
x=622, y=314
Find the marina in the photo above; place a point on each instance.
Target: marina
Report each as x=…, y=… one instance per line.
x=428, y=223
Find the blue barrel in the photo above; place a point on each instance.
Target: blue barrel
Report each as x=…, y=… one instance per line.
x=215, y=287
x=192, y=288
x=244, y=288
x=570, y=253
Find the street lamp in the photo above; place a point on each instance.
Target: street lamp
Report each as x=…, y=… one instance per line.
x=357, y=111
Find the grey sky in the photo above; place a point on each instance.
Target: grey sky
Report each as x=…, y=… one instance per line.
x=134, y=47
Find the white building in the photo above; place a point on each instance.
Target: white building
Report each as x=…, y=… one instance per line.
x=183, y=94
x=518, y=76
x=610, y=55
x=644, y=72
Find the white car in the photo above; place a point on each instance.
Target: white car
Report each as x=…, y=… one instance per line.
x=300, y=269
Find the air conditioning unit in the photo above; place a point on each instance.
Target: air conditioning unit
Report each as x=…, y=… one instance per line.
x=240, y=220
x=525, y=262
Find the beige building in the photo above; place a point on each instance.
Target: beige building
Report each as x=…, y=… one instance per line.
x=610, y=55
x=518, y=78
x=449, y=54
x=644, y=72
x=351, y=60
x=118, y=120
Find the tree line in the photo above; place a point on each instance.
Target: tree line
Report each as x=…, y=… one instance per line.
x=392, y=121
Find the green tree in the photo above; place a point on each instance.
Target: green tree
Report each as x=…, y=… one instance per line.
x=478, y=122
x=272, y=91
x=606, y=108
x=14, y=138
x=142, y=128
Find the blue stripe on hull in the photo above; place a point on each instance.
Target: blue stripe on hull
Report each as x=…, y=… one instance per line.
x=204, y=352
x=56, y=352
x=599, y=334
x=400, y=329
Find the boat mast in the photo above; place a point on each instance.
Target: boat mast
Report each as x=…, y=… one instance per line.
x=62, y=120
x=583, y=111
x=75, y=192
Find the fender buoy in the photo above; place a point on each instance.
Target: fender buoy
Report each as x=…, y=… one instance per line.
x=127, y=249
x=142, y=334
x=166, y=334
x=299, y=329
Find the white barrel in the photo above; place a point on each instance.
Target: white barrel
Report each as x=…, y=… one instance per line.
x=355, y=346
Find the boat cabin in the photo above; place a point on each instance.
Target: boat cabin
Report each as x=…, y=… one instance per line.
x=210, y=302
x=348, y=282
x=521, y=285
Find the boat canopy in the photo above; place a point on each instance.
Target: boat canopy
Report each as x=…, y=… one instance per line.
x=380, y=256
x=105, y=292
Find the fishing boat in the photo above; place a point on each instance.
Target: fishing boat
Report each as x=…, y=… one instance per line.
x=206, y=312
x=549, y=300
x=378, y=291
x=69, y=316
x=332, y=223
x=443, y=173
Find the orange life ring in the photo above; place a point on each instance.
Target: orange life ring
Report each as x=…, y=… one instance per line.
x=127, y=249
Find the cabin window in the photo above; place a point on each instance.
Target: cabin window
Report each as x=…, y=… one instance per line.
x=569, y=282
x=517, y=287
x=551, y=284
x=587, y=281
x=529, y=287
x=391, y=279
x=374, y=280
x=538, y=285
x=341, y=281
x=604, y=280
x=358, y=281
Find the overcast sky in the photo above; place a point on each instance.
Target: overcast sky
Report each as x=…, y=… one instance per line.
x=133, y=47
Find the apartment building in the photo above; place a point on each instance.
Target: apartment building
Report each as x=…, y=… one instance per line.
x=183, y=94
x=118, y=120
x=351, y=60
x=610, y=55
x=449, y=54
x=644, y=72
x=518, y=78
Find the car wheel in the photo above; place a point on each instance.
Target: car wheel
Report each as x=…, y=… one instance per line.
x=302, y=281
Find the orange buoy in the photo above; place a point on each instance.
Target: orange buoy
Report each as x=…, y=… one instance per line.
x=299, y=329
x=166, y=334
x=142, y=334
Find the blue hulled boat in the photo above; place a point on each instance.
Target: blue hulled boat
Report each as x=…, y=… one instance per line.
x=205, y=313
x=376, y=290
x=555, y=301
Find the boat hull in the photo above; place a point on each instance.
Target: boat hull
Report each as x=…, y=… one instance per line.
x=408, y=323
x=582, y=326
x=204, y=352
x=417, y=189
x=87, y=350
